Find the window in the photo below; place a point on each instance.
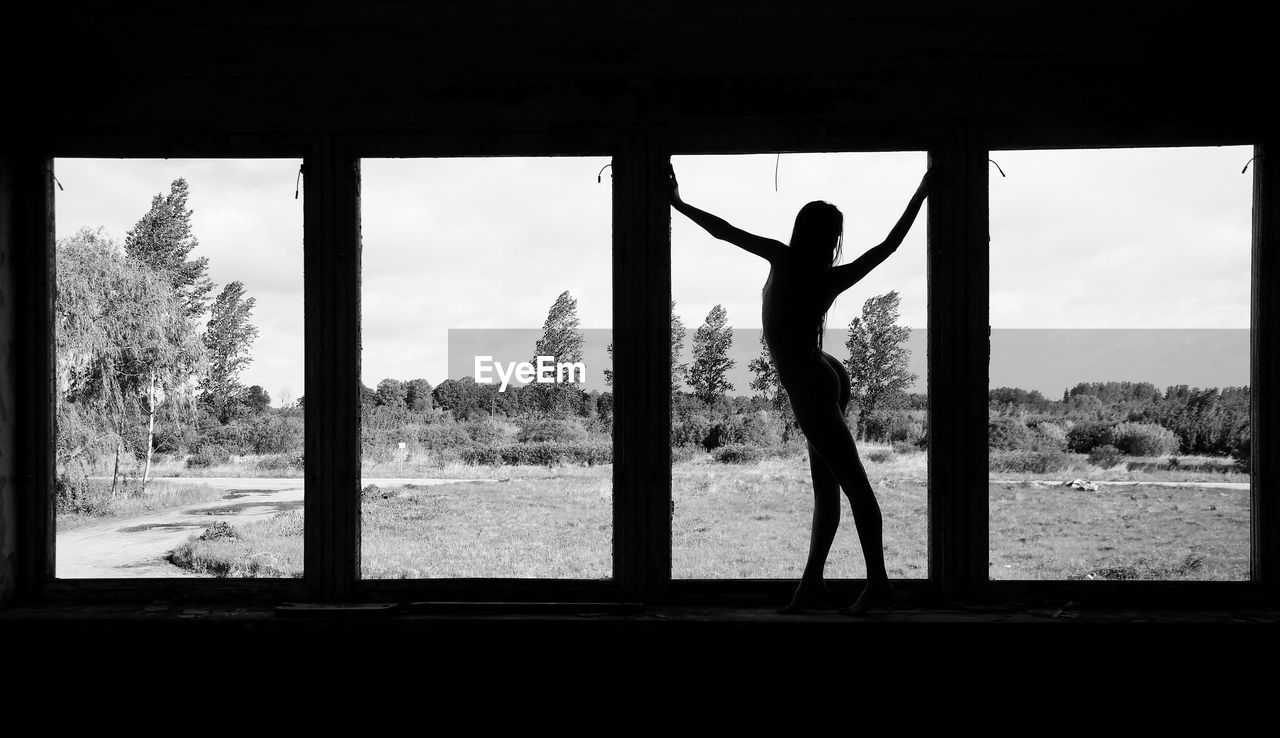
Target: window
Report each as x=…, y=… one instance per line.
x=1119, y=410
x=179, y=369
x=741, y=480
x=486, y=405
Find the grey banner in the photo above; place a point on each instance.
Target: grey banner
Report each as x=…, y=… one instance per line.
x=1048, y=360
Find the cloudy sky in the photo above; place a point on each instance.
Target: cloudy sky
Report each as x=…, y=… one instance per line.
x=1099, y=239
x=246, y=221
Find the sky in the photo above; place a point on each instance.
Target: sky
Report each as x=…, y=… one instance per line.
x=245, y=220
x=1081, y=239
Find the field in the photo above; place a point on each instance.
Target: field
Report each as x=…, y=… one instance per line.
x=751, y=521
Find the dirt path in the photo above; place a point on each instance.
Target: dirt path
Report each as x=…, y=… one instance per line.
x=1125, y=483
x=132, y=548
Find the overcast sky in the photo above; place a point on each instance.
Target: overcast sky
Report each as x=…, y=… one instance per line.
x=1079, y=239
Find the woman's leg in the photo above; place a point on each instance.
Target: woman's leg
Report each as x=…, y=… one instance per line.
x=826, y=512
x=812, y=591
x=828, y=434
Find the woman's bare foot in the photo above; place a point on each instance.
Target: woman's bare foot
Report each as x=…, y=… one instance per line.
x=808, y=597
x=873, y=596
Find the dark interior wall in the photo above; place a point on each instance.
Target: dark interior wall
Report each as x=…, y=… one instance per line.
x=376, y=66
x=8, y=386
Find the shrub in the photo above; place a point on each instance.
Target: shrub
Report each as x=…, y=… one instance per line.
x=749, y=429
x=1051, y=435
x=892, y=426
x=737, y=454
x=905, y=428
x=684, y=453
x=1104, y=457
x=81, y=496
x=1144, y=439
x=218, y=530
x=274, y=434
x=880, y=456
x=437, y=436
x=552, y=431
x=692, y=430
x=1085, y=437
x=484, y=432
x=1028, y=462
x=903, y=448
x=1242, y=450
x=374, y=492
x=1009, y=434
x=209, y=455
x=282, y=462
x=539, y=454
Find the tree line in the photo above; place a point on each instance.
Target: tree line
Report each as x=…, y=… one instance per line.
x=1180, y=419
x=704, y=413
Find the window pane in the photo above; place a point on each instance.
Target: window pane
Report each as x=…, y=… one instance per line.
x=179, y=368
x=1119, y=407
x=741, y=479
x=473, y=465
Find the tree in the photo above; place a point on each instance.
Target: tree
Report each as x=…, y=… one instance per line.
x=561, y=337
x=418, y=395
x=708, y=375
x=561, y=340
x=256, y=400
x=124, y=345
x=679, y=370
x=368, y=397
x=227, y=339
x=462, y=397
x=162, y=240
x=878, y=355
x=391, y=393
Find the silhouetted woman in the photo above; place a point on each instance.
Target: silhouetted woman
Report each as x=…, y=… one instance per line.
x=803, y=282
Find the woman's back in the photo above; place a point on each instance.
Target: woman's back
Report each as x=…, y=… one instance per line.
x=795, y=300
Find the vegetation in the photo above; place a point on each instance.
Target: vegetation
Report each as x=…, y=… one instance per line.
x=1114, y=421
x=141, y=372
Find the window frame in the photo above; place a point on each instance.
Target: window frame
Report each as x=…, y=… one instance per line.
x=1264, y=538
x=37, y=340
x=835, y=137
x=627, y=542
x=958, y=346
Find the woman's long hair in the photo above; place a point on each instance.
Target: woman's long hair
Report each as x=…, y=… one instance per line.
x=819, y=232
x=818, y=237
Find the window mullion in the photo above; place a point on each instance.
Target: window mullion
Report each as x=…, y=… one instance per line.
x=332, y=402
x=33, y=244
x=1264, y=370
x=959, y=347
x=642, y=355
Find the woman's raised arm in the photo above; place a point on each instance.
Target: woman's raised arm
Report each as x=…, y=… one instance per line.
x=719, y=228
x=847, y=275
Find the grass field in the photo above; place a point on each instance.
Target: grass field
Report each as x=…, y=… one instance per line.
x=752, y=521
x=1138, y=531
